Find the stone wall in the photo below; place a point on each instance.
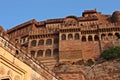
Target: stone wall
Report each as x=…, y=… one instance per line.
x=70, y=50
x=103, y=70
x=90, y=50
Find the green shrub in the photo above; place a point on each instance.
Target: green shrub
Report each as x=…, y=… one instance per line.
x=111, y=53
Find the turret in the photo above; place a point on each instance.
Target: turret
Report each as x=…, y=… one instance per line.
x=116, y=16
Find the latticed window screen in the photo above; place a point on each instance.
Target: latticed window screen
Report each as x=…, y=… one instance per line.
x=83, y=38
x=33, y=43
x=70, y=36
x=40, y=53
x=32, y=53
x=63, y=37
x=41, y=42
x=48, y=42
x=77, y=37
x=48, y=53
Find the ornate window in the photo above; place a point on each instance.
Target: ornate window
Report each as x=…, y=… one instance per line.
x=96, y=38
x=63, y=37
x=70, y=36
x=77, y=37
x=110, y=36
x=117, y=35
x=83, y=38
x=48, y=42
x=41, y=42
x=40, y=53
x=48, y=53
x=33, y=43
x=103, y=37
x=32, y=53
x=90, y=38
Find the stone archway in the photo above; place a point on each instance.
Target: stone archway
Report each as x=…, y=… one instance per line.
x=110, y=36
x=84, y=39
x=103, y=37
x=117, y=35
x=90, y=38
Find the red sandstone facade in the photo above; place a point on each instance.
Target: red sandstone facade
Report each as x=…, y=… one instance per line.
x=68, y=39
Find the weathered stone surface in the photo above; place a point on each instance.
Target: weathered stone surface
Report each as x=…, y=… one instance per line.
x=108, y=70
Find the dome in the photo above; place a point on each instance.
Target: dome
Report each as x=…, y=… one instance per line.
x=116, y=16
x=71, y=16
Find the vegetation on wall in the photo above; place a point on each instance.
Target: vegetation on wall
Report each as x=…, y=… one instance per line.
x=111, y=53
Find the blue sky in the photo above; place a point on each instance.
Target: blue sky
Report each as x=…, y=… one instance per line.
x=15, y=12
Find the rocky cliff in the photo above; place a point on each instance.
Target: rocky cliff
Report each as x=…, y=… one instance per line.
x=103, y=70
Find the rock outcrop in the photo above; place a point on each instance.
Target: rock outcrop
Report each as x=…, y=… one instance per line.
x=106, y=70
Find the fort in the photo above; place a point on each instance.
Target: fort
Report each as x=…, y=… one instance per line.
x=65, y=40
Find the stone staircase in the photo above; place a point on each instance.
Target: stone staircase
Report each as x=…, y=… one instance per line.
x=50, y=63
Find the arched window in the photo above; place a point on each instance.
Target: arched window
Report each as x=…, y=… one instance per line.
x=41, y=42
x=32, y=53
x=55, y=52
x=48, y=42
x=110, y=36
x=96, y=38
x=56, y=41
x=83, y=38
x=90, y=38
x=77, y=37
x=103, y=37
x=48, y=53
x=70, y=36
x=117, y=35
x=63, y=37
x=33, y=43
x=81, y=24
x=40, y=53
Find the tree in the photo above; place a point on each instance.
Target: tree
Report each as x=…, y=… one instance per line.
x=111, y=53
